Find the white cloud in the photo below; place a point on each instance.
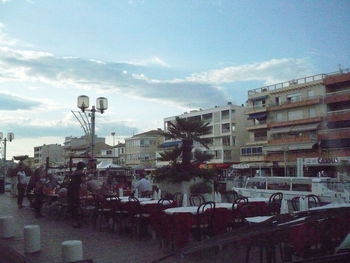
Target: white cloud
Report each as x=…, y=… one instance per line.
x=152, y=61
x=271, y=71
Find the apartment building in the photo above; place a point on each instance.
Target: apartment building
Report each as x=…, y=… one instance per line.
x=228, y=132
x=140, y=149
x=117, y=153
x=299, y=127
x=53, y=152
x=79, y=148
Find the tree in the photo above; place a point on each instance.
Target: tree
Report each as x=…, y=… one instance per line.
x=188, y=131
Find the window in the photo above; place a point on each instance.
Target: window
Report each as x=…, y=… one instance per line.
x=226, y=141
x=294, y=97
x=295, y=115
x=247, y=151
x=311, y=93
x=277, y=100
x=225, y=114
x=279, y=116
x=225, y=128
x=312, y=112
x=207, y=117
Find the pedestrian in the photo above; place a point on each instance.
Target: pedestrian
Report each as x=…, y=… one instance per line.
x=36, y=184
x=21, y=185
x=73, y=193
x=144, y=186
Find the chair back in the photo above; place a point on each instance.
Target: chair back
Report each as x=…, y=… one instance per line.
x=205, y=215
x=313, y=200
x=230, y=196
x=276, y=198
x=274, y=205
x=295, y=203
x=165, y=201
x=133, y=206
x=196, y=199
x=177, y=197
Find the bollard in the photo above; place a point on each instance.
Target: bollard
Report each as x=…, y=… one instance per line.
x=72, y=250
x=6, y=226
x=31, y=238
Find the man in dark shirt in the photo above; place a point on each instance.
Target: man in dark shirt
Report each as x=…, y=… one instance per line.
x=73, y=193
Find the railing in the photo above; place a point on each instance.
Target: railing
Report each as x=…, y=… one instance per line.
x=293, y=82
x=300, y=99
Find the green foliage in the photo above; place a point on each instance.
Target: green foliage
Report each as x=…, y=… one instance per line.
x=201, y=188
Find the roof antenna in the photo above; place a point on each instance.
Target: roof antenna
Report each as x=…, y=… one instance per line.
x=340, y=69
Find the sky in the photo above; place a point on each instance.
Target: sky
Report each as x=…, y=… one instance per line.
x=152, y=59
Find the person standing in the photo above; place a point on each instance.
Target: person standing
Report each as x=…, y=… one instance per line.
x=73, y=193
x=143, y=186
x=21, y=185
x=36, y=184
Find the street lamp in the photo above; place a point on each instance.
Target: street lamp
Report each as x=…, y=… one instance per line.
x=101, y=106
x=113, y=134
x=10, y=136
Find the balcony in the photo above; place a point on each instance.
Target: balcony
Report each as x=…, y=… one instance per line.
x=334, y=134
x=340, y=115
x=295, y=122
x=305, y=101
x=338, y=96
x=339, y=78
x=257, y=127
x=253, y=158
x=289, y=140
x=255, y=109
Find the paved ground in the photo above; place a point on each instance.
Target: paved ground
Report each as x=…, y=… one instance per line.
x=102, y=247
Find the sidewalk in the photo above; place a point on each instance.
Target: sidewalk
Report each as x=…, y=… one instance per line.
x=102, y=247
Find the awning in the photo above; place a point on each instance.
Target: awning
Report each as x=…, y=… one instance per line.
x=240, y=166
x=306, y=127
x=169, y=144
x=277, y=148
x=258, y=98
x=290, y=147
x=280, y=130
x=301, y=146
x=261, y=115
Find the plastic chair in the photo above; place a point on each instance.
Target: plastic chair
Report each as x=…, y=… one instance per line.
x=313, y=200
x=295, y=203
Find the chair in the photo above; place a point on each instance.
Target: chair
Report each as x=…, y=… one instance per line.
x=229, y=196
x=274, y=205
x=313, y=200
x=295, y=203
x=204, y=220
x=165, y=201
x=103, y=211
x=196, y=199
x=177, y=197
x=138, y=220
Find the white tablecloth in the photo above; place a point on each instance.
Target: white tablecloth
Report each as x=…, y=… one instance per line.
x=187, y=209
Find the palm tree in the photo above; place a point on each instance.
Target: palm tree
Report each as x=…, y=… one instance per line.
x=188, y=131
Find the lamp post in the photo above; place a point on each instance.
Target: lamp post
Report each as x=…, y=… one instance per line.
x=101, y=106
x=10, y=136
x=285, y=149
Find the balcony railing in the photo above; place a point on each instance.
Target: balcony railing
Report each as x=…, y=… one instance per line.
x=286, y=140
x=297, y=102
x=294, y=82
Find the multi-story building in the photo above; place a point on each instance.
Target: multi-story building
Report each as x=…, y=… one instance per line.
x=116, y=153
x=140, y=149
x=79, y=148
x=228, y=132
x=296, y=125
x=53, y=152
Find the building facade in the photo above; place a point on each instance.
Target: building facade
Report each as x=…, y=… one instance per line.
x=228, y=132
x=297, y=127
x=54, y=153
x=140, y=149
x=117, y=154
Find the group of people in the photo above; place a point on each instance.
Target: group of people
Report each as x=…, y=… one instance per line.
x=42, y=182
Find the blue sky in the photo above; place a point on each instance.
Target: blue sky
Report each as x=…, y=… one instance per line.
x=152, y=58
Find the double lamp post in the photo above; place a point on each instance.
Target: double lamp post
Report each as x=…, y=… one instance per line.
x=101, y=106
